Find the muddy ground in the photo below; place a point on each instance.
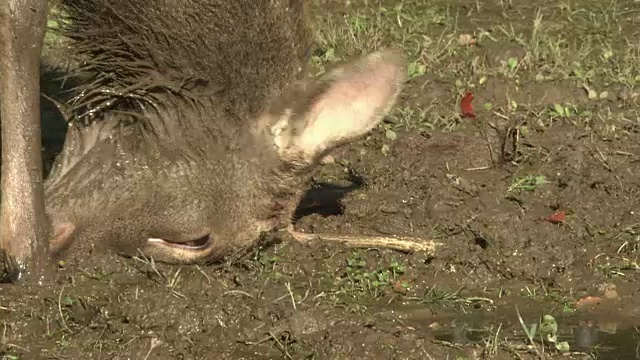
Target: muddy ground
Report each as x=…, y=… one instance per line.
x=557, y=131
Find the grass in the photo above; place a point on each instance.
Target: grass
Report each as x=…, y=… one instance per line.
x=582, y=46
x=358, y=279
x=570, y=46
x=527, y=183
x=541, y=338
x=52, y=40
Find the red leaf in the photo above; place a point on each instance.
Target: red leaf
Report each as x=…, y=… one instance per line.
x=588, y=302
x=466, y=106
x=557, y=217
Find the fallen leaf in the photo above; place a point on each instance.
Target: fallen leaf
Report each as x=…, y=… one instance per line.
x=466, y=106
x=588, y=302
x=557, y=218
x=466, y=39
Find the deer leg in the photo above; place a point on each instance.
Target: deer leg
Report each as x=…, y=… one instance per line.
x=24, y=229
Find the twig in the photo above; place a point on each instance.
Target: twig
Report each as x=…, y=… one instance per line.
x=293, y=300
x=154, y=343
x=64, y=323
x=240, y=292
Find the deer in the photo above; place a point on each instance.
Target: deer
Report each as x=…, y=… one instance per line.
x=194, y=129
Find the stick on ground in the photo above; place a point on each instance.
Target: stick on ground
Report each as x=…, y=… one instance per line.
x=404, y=244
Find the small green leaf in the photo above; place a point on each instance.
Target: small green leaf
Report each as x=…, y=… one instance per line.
x=385, y=149
x=559, y=109
x=68, y=300
x=567, y=111
x=532, y=331
x=416, y=69
x=541, y=180
x=549, y=328
x=390, y=134
x=488, y=106
x=329, y=55
x=563, y=347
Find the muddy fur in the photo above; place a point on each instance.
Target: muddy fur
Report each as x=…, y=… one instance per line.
x=244, y=52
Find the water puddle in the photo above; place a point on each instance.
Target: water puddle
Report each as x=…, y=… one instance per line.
x=607, y=336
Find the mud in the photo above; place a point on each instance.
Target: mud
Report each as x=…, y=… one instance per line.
x=460, y=182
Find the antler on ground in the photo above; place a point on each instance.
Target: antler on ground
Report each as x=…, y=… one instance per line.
x=403, y=244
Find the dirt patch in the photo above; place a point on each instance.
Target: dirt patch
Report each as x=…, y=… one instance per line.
x=295, y=299
x=484, y=188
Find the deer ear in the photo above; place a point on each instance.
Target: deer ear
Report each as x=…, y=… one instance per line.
x=340, y=106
